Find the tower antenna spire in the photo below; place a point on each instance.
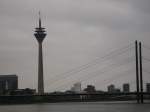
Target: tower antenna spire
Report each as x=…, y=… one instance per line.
x=39, y=19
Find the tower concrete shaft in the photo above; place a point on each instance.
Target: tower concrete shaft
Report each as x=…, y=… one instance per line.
x=40, y=35
x=40, y=70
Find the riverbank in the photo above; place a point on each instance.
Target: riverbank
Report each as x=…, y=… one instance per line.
x=31, y=99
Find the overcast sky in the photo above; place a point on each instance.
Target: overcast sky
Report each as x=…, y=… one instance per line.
x=78, y=31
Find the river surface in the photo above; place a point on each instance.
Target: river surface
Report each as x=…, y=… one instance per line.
x=78, y=107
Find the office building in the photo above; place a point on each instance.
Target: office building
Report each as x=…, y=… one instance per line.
x=148, y=87
x=8, y=82
x=76, y=87
x=126, y=88
x=90, y=89
x=111, y=88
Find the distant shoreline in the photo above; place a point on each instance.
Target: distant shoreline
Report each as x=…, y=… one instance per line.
x=35, y=99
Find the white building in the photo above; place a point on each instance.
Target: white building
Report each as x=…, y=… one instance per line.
x=76, y=87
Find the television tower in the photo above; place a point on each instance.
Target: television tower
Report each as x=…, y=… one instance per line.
x=40, y=35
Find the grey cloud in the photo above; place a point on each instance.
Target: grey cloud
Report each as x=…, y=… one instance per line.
x=78, y=31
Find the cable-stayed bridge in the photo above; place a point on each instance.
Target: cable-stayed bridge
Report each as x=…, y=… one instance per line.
x=129, y=64
x=98, y=67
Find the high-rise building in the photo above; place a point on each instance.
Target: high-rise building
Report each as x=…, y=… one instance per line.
x=8, y=82
x=76, y=87
x=111, y=88
x=40, y=35
x=90, y=89
x=148, y=87
x=126, y=88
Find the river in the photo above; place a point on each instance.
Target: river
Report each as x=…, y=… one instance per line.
x=78, y=107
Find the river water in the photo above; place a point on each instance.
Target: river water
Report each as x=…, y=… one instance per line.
x=77, y=107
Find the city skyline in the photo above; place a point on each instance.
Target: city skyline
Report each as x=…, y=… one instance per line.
x=78, y=32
